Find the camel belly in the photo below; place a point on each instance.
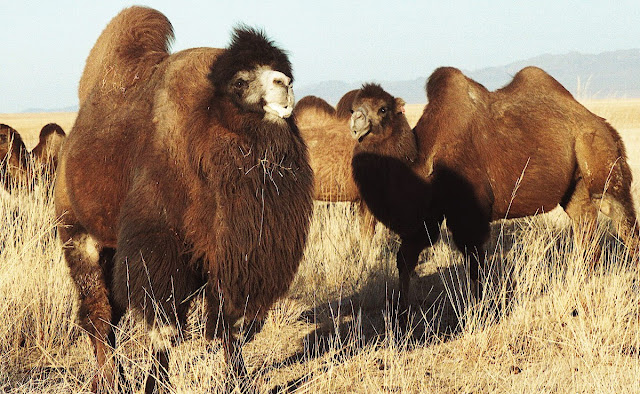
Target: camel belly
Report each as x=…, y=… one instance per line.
x=538, y=188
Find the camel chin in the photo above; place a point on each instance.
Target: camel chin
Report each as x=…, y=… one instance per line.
x=278, y=110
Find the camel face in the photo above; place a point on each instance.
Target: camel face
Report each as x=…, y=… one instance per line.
x=263, y=90
x=367, y=114
x=373, y=115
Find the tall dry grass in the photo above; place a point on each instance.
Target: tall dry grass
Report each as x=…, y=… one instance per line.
x=550, y=320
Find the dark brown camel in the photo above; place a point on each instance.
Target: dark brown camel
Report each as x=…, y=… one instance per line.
x=182, y=172
x=330, y=151
x=14, y=158
x=476, y=156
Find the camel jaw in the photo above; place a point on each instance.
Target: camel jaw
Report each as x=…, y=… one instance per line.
x=360, y=134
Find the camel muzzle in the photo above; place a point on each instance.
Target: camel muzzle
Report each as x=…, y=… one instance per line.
x=359, y=125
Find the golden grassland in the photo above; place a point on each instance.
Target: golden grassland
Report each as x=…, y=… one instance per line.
x=549, y=322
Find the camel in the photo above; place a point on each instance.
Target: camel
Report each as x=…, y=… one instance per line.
x=182, y=172
x=330, y=150
x=476, y=156
x=14, y=158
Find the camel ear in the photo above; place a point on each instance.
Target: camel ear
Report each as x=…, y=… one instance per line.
x=400, y=105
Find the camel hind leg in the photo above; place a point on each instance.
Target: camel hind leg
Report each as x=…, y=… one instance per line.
x=623, y=215
x=89, y=270
x=583, y=211
x=604, y=185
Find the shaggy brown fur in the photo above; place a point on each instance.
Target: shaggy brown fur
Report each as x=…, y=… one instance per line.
x=479, y=156
x=46, y=152
x=330, y=151
x=176, y=177
x=344, y=107
x=14, y=158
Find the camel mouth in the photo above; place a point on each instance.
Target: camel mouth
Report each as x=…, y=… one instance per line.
x=279, y=110
x=360, y=134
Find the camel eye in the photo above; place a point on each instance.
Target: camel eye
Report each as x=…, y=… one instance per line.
x=240, y=83
x=383, y=110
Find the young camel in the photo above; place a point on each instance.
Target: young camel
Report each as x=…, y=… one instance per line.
x=476, y=156
x=330, y=150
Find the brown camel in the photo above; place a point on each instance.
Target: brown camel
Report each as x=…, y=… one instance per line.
x=14, y=158
x=476, y=156
x=182, y=172
x=330, y=150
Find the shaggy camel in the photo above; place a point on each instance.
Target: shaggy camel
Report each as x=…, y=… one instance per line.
x=182, y=172
x=14, y=157
x=330, y=150
x=476, y=156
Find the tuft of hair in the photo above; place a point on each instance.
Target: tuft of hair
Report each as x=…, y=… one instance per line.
x=374, y=90
x=249, y=48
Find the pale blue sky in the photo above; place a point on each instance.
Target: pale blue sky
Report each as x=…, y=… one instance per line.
x=43, y=44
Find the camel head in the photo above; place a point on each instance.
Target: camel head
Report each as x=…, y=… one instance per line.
x=379, y=124
x=255, y=75
x=376, y=113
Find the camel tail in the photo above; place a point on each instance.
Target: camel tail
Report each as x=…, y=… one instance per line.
x=135, y=40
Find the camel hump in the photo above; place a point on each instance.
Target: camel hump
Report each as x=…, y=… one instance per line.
x=135, y=40
x=51, y=129
x=532, y=77
x=312, y=111
x=451, y=83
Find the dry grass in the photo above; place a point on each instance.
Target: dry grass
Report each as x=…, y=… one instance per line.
x=550, y=322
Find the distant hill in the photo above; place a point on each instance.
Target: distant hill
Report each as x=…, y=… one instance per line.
x=72, y=108
x=605, y=75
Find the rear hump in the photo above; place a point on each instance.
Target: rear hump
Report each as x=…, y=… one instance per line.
x=135, y=39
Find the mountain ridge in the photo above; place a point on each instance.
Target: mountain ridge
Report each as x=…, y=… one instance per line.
x=613, y=74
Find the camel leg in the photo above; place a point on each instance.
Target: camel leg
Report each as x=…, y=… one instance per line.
x=95, y=313
x=407, y=258
x=152, y=275
x=623, y=214
x=584, y=213
x=605, y=183
x=469, y=237
x=220, y=322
